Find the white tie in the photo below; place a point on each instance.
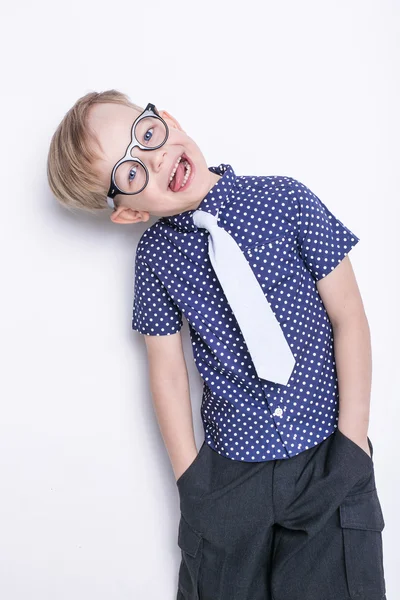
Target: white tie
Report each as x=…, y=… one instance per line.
x=267, y=345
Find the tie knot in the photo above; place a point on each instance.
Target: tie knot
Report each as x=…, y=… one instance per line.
x=204, y=219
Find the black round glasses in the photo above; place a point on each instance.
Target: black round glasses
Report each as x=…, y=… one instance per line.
x=130, y=175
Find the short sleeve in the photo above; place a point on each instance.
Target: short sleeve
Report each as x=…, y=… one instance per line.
x=154, y=312
x=322, y=238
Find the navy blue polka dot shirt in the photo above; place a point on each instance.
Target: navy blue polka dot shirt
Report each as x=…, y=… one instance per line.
x=291, y=240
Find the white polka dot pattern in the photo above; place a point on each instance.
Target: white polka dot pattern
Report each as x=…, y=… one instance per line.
x=291, y=240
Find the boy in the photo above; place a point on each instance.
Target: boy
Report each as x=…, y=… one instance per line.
x=280, y=502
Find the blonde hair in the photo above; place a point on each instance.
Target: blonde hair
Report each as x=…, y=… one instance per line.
x=70, y=171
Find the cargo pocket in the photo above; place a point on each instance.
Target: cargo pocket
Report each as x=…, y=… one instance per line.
x=190, y=542
x=362, y=522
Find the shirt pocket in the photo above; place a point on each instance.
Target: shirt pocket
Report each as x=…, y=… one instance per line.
x=277, y=240
x=274, y=260
x=279, y=249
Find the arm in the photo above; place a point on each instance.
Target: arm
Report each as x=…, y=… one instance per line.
x=171, y=398
x=352, y=344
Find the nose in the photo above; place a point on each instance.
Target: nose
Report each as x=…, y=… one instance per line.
x=153, y=159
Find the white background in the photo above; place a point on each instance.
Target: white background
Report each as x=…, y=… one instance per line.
x=88, y=502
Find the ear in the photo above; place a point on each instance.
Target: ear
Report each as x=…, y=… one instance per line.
x=125, y=215
x=170, y=120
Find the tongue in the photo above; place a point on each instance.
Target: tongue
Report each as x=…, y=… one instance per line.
x=178, y=177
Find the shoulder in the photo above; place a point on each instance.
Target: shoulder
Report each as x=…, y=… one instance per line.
x=268, y=182
x=287, y=193
x=276, y=194
x=270, y=188
x=151, y=241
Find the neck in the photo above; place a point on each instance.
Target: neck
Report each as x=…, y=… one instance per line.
x=213, y=180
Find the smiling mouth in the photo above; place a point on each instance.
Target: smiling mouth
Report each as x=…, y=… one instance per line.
x=183, y=175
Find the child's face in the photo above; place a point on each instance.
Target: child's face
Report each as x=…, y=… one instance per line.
x=112, y=124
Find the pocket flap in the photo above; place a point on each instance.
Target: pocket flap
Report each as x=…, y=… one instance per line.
x=362, y=511
x=260, y=244
x=188, y=539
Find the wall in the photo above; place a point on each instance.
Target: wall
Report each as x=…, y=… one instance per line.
x=89, y=507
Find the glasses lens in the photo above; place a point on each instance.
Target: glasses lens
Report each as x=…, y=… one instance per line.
x=150, y=132
x=130, y=176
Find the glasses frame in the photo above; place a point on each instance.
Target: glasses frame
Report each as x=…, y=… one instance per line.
x=149, y=111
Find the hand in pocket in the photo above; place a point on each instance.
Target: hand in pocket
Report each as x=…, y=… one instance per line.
x=185, y=464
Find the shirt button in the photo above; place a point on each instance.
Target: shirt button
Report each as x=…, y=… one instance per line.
x=278, y=412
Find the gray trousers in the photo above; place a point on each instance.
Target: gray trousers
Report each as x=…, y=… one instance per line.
x=304, y=528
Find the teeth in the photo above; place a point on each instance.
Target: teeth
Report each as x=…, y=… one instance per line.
x=187, y=174
x=175, y=167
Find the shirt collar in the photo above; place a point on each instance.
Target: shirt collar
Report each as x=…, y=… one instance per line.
x=216, y=198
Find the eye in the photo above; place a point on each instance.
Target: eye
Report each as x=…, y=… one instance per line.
x=130, y=172
x=147, y=139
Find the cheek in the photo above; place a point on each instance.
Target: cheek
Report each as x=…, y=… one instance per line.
x=155, y=187
x=154, y=196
